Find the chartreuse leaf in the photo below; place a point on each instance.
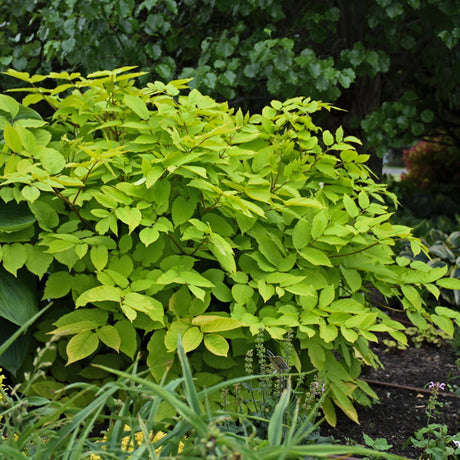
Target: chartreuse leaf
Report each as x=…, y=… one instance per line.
x=130, y=216
x=38, y=260
x=213, y=323
x=315, y=256
x=222, y=251
x=182, y=210
x=75, y=328
x=319, y=223
x=350, y=206
x=149, y=235
x=192, y=338
x=9, y=104
x=176, y=328
x=180, y=302
x=99, y=257
x=99, y=294
x=145, y=304
x=81, y=346
x=342, y=399
x=12, y=138
x=242, y=293
x=128, y=337
x=159, y=358
x=137, y=105
x=352, y=277
x=449, y=283
x=14, y=257
x=301, y=234
x=110, y=336
x=52, y=160
x=58, y=285
x=216, y=344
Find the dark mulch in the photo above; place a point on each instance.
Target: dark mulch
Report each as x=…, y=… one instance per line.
x=400, y=412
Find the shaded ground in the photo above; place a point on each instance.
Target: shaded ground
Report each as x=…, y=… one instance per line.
x=400, y=411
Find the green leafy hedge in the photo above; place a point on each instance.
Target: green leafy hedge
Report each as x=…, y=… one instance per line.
x=147, y=213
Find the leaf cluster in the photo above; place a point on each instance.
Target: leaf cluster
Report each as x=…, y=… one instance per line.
x=147, y=214
x=252, y=51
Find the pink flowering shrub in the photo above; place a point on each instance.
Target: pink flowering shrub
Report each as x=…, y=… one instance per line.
x=433, y=165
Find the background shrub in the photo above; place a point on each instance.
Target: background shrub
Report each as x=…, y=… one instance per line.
x=146, y=213
x=433, y=165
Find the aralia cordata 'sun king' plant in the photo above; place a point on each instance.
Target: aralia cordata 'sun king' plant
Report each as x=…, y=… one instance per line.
x=148, y=213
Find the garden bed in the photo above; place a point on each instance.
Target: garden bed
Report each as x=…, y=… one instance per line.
x=401, y=411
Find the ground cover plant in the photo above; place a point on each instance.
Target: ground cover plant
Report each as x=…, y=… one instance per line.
x=127, y=409
x=147, y=213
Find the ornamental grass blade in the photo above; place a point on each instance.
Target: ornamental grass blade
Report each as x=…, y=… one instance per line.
x=189, y=387
x=276, y=425
x=5, y=345
x=11, y=453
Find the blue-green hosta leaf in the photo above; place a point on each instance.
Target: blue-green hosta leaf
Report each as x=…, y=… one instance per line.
x=18, y=301
x=13, y=357
x=15, y=217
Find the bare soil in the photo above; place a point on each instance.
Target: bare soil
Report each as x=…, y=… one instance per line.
x=402, y=411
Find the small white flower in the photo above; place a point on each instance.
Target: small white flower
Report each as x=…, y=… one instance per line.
x=457, y=443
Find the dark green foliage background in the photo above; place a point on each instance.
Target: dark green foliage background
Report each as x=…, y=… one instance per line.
x=393, y=65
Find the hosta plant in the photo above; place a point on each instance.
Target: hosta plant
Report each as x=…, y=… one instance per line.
x=146, y=213
x=443, y=251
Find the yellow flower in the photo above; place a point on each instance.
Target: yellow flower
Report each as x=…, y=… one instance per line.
x=127, y=444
